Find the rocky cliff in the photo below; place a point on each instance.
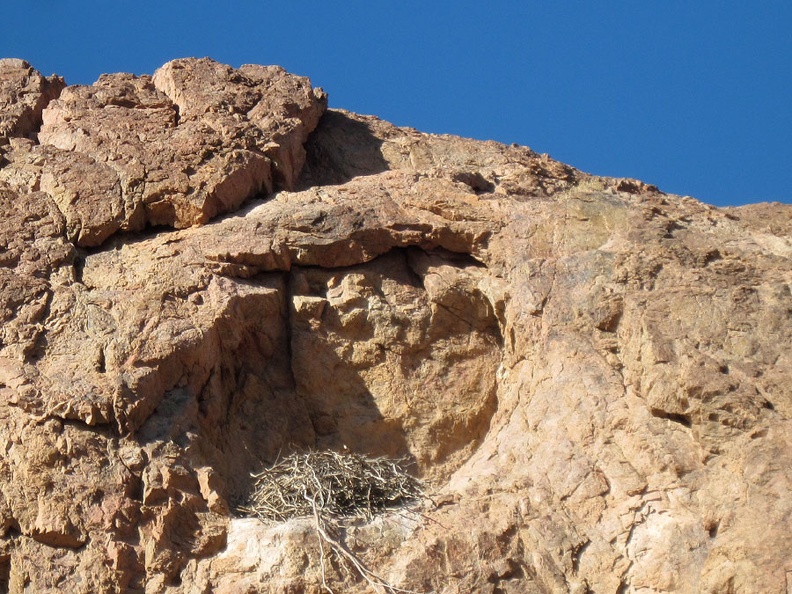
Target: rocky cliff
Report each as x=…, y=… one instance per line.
x=203, y=269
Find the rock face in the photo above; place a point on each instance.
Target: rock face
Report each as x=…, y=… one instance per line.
x=205, y=268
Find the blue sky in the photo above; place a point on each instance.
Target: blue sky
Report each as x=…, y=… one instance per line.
x=693, y=96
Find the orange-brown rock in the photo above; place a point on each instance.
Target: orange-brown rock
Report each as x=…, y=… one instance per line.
x=592, y=376
x=195, y=140
x=24, y=93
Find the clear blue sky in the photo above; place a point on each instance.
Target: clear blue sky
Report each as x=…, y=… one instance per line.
x=694, y=96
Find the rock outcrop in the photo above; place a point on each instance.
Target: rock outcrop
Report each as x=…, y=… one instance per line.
x=203, y=269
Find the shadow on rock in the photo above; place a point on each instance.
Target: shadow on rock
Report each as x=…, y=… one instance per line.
x=340, y=149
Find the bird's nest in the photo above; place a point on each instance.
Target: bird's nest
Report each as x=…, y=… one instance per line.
x=336, y=485
x=329, y=487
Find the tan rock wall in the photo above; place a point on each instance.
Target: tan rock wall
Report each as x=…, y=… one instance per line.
x=592, y=376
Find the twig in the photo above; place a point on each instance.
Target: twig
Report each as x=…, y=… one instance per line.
x=337, y=546
x=319, y=537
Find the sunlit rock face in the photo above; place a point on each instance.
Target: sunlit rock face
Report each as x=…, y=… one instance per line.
x=205, y=269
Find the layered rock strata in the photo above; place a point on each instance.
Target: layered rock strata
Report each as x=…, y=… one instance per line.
x=205, y=268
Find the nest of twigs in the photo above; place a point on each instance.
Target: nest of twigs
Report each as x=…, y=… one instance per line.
x=333, y=484
x=330, y=486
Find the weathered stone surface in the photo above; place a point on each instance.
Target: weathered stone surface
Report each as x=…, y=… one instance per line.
x=24, y=93
x=592, y=376
x=195, y=140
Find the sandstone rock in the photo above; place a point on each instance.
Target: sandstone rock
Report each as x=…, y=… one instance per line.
x=195, y=140
x=592, y=376
x=24, y=93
